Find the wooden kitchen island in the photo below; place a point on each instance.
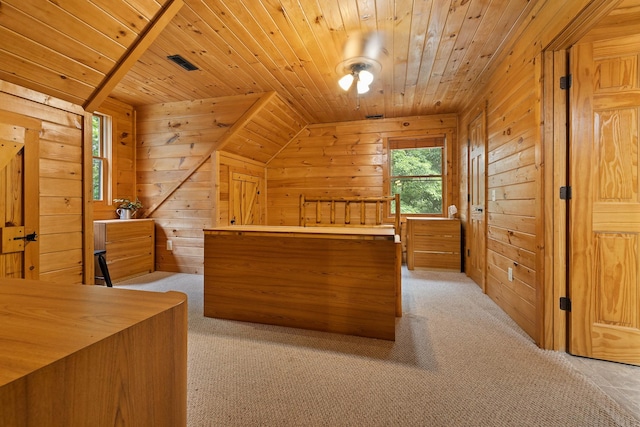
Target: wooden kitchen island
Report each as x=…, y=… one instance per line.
x=335, y=279
x=81, y=355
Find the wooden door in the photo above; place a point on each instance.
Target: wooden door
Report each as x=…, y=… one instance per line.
x=604, y=253
x=244, y=199
x=476, y=235
x=19, y=140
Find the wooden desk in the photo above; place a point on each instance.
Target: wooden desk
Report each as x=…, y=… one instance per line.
x=335, y=279
x=74, y=355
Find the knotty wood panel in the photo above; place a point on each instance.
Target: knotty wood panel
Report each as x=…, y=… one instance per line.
x=431, y=54
x=245, y=131
x=61, y=193
x=69, y=49
x=616, y=279
x=123, y=179
x=348, y=159
x=512, y=92
x=171, y=139
x=268, y=131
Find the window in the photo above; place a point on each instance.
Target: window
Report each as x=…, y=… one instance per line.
x=101, y=152
x=416, y=168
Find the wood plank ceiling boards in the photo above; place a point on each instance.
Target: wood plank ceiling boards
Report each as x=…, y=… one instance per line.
x=431, y=52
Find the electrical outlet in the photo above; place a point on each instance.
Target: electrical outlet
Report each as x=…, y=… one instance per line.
x=493, y=195
x=169, y=245
x=510, y=274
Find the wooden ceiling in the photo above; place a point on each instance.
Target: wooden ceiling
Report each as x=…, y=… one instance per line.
x=431, y=52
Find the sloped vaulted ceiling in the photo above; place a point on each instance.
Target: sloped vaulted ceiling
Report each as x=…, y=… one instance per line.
x=77, y=50
x=431, y=52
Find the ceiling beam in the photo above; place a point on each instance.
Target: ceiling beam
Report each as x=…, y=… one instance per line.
x=134, y=53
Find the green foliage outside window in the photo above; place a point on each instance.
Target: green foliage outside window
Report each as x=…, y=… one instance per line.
x=97, y=149
x=416, y=174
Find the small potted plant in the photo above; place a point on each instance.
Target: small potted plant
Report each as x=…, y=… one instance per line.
x=126, y=208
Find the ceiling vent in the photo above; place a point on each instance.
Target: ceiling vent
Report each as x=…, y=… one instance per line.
x=374, y=116
x=182, y=62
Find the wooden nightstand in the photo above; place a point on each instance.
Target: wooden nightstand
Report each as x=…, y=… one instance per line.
x=433, y=243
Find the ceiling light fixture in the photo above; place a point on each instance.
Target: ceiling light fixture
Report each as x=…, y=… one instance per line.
x=359, y=74
x=359, y=70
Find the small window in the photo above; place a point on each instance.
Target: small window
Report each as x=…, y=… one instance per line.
x=101, y=152
x=416, y=173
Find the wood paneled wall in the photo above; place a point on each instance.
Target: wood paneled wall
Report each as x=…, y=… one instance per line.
x=174, y=172
x=61, y=234
x=512, y=95
x=123, y=159
x=264, y=130
x=179, y=184
x=348, y=159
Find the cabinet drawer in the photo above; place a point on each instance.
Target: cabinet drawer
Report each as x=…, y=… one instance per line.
x=439, y=243
x=128, y=249
x=433, y=243
x=436, y=226
x=129, y=230
x=437, y=260
x=127, y=267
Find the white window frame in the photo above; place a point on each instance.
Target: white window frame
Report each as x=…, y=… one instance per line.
x=106, y=157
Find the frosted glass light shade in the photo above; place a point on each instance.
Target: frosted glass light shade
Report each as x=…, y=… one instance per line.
x=362, y=88
x=346, y=81
x=365, y=77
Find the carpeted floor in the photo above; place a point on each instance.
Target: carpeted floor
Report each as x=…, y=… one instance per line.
x=458, y=360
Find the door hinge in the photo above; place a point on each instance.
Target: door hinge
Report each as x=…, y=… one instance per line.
x=565, y=193
x=468, y=252
x=565, y=82
x=468, y=197
x=565, y=304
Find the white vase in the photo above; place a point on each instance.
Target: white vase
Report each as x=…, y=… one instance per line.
x=124, y=213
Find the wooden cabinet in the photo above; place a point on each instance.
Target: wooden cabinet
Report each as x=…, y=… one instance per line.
x=433, y=243
x=345, y=279
x=73, y=355
x=130, y=246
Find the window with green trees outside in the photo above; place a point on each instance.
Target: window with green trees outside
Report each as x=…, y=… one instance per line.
x=100, y=148
x=416, y=173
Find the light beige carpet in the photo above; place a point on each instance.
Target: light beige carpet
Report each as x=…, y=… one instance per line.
x=458, y=360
